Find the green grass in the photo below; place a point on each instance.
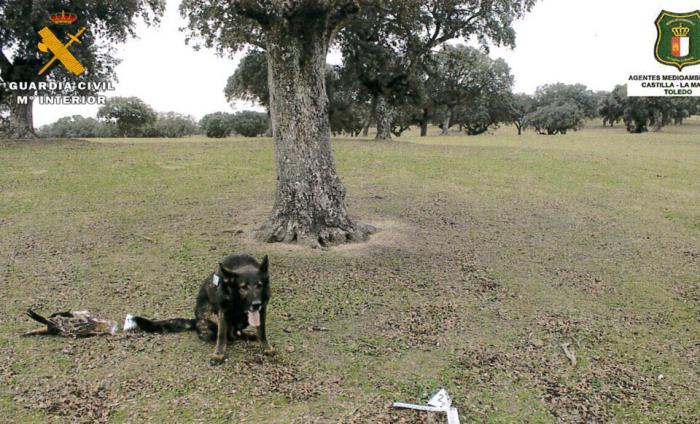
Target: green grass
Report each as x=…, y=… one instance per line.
x=494, y=251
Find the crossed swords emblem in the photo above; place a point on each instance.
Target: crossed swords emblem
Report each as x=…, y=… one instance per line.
x=49, y=42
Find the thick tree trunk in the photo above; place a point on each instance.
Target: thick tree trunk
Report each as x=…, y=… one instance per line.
x=658, y=120
x=446, y=122
x=310, y=198
x=424, y=123
x=370, y=115
x=365, y=130
x=22, y=119
x=423, y=128
x=385, y=116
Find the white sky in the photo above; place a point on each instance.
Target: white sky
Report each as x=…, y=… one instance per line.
x=595, y=42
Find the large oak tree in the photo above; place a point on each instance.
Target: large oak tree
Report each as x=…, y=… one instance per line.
x=468, y=88
x=295, y=34
x=108, y=23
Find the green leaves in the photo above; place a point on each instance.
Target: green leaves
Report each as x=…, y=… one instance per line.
x=130, y=114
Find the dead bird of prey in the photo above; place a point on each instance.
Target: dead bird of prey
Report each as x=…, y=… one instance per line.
x=72, y=324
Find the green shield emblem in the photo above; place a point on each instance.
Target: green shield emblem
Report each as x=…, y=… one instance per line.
x=678, y=39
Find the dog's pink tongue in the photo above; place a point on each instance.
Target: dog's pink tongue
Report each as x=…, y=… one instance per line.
x=254, y=318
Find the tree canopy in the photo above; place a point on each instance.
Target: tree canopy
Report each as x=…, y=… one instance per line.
x=577, y=95
x=130, y=115
x=467, y=87
x=556, y=118
x=249, y=81
x=389, y=41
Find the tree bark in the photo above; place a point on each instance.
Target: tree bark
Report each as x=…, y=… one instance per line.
x=385, y=116
x=424, y=123
x=310, y=198
x=446, y=122
x=658, y=120
x=370, y=115
x=22, y=119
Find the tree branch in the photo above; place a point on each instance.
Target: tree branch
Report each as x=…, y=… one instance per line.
x=5, y=65
x=343, y=9
x=251, y=9
x=340, y=12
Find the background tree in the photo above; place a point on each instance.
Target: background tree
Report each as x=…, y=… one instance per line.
x=469, y=88
x=485, y=112
x=249, y=81
x=557, y=118
x=520, y=106
x=75, y=126
x=349, y=105
x=612, y=106
x=217, y=124
x=682, y=108
x=249, y=123
x=373, y=56
x=389, y=40
x=109, y=23
x=309, y=197
x=644, y=114
x=425, y=115
x=574, y=94
x=168, y=124
x=171, y=125
x=130, y=115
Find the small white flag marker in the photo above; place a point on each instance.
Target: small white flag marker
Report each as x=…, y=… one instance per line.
x=440, y=399
x=440, y=402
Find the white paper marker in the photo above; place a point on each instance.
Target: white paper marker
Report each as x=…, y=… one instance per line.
x=440, y=402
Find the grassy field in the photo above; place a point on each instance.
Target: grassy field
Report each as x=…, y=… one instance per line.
x=494, y=251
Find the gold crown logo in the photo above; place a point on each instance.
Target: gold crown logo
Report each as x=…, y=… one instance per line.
x=63, y=18
x=680, y=31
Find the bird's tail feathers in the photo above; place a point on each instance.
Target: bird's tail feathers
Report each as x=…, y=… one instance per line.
x=36, y=317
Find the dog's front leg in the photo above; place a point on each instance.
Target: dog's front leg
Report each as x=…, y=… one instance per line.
x=221, y=340
x=262, y=336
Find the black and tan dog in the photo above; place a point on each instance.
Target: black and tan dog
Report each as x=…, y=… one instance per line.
x=232, y=298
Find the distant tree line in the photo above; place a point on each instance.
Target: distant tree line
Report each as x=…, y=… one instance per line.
x=458, y=87
x=641, y=114
x=132, y=117
x=469, y=91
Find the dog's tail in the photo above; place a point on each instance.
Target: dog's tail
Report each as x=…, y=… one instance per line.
x=175, y=325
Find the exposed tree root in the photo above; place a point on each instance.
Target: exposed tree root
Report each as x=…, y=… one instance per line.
x=321, y=236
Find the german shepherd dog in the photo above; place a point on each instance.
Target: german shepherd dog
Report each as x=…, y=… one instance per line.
x=229, y=300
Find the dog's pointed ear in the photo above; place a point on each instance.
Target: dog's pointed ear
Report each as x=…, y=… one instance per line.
x=224, y=272
x=264, y=265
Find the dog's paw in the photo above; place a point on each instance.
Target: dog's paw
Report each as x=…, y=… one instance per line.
x=269, y=350
x=217, y=359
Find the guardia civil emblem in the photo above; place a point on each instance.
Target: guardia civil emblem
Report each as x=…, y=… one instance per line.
x=678, y=39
